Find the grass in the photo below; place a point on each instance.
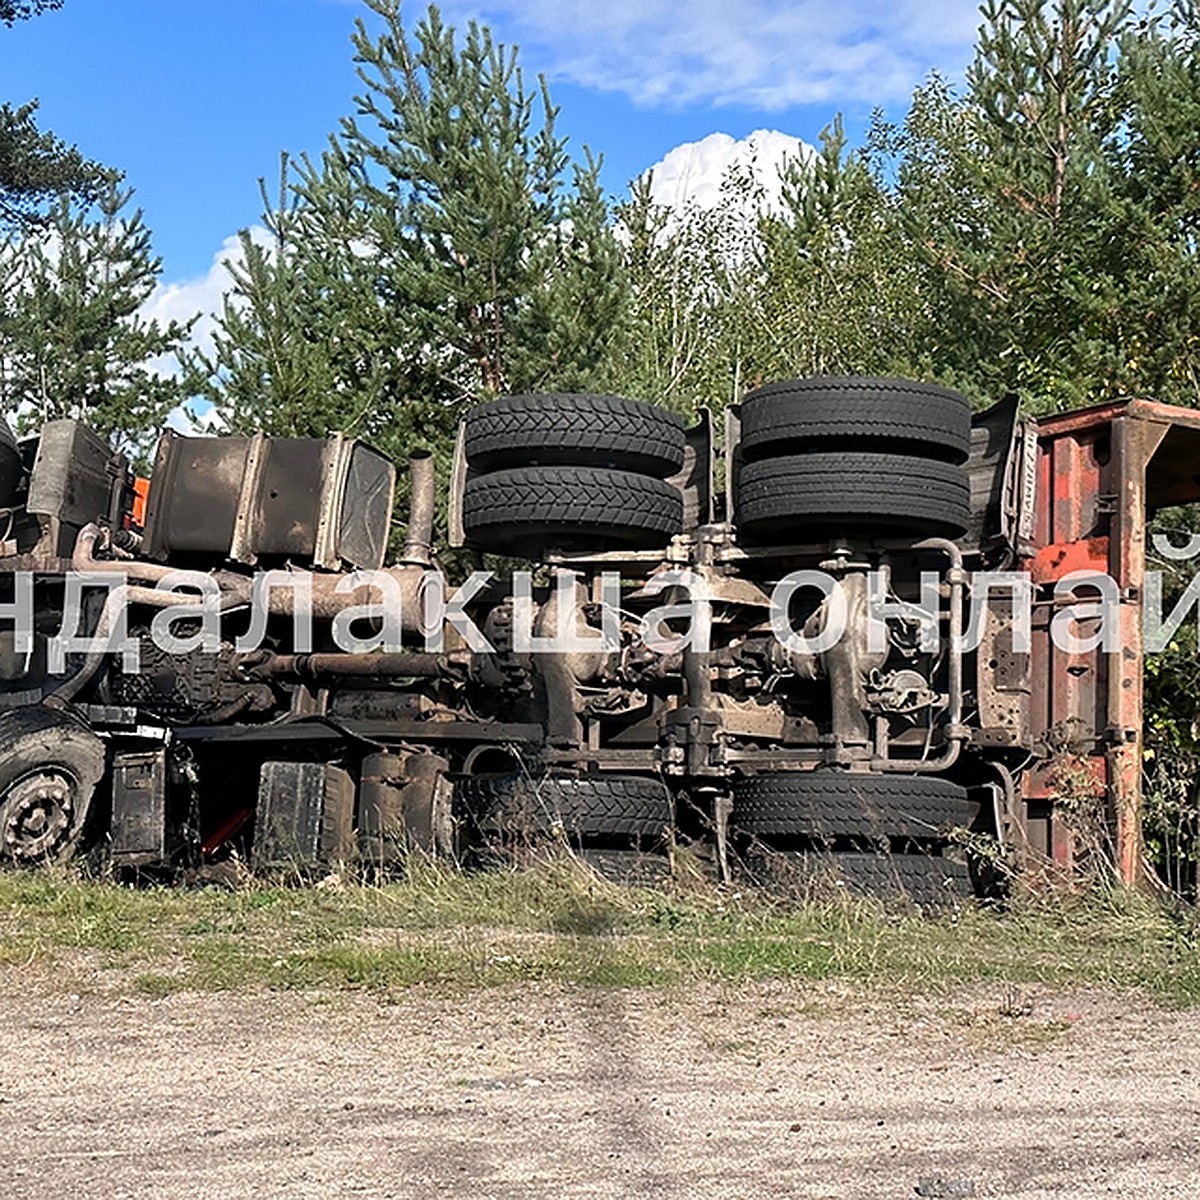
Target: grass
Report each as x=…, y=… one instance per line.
x=559, y=924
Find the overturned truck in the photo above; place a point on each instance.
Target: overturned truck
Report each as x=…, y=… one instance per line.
x=879, y=634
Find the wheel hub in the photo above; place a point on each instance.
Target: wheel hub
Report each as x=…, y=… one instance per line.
x=36, y=816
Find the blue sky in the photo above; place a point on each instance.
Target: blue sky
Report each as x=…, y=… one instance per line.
x=194, y=101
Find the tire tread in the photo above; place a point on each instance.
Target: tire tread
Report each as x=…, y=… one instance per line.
x=830, y=804
x=857, y=488
x=616, y=806
x=923, y=418
x=523, y=509
x=575, y=430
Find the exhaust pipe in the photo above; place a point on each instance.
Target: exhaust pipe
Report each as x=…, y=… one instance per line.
x=418, y=547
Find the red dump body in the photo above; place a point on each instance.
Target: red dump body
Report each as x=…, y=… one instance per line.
x=1100, y=472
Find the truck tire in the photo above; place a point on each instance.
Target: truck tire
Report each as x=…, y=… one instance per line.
x=929, y=882
x=574, y=430
x=805, y=497
x=831, y=804
x=899, y=415
x=613, y=808
x=629, y=867
x=529, y=511
x=50, y=764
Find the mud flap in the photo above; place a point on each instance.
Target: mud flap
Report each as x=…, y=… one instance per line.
x=305, y=815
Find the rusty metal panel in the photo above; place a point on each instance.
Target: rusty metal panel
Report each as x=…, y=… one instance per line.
x=283, y=514
x=1071, y=534
x=1134, y=444
x=1093, y=471
x=1046, y=833
x=1052, y=562
x=74, y=474
x=75, y=478
x=321, y=501
x=1069, y=700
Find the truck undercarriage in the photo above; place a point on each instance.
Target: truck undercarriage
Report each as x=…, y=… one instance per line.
x=841, y=664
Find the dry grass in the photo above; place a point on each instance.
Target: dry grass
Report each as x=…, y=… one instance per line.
x=559, y=923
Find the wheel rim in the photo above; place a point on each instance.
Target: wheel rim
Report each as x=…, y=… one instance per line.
x=36, y=815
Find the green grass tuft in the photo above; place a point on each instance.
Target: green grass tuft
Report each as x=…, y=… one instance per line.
x=559, y=923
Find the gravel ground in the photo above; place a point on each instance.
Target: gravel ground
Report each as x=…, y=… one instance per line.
x=767, y=1090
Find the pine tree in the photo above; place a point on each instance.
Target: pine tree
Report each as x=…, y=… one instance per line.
x=72, y=340
x=495, y=247
x=443, y=249
x=1010, y=197
x=36, y=168
x=1157, y=154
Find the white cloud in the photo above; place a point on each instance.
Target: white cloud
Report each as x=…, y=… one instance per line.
x=203, y=294
x=692, y=174
x=180, y=300
x=767, y=54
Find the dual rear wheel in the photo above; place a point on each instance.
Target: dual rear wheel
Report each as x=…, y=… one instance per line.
x=871, y=834
x=577, y=473
x=823, y=456
x=852, y=455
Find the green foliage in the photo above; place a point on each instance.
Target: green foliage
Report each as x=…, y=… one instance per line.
x=1008, y=199
x=837, y=286
x=1158, y=155
x=1035, y=233
x=481, y=242
x=443, y=249
x=1171, y=785
x=73, y=342
x=36, y=168
x=686, y=342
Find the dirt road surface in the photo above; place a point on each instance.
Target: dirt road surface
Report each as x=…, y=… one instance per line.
x=769, y=1090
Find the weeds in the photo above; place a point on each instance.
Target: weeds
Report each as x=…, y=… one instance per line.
x=560, y=924
x=1080, y=800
